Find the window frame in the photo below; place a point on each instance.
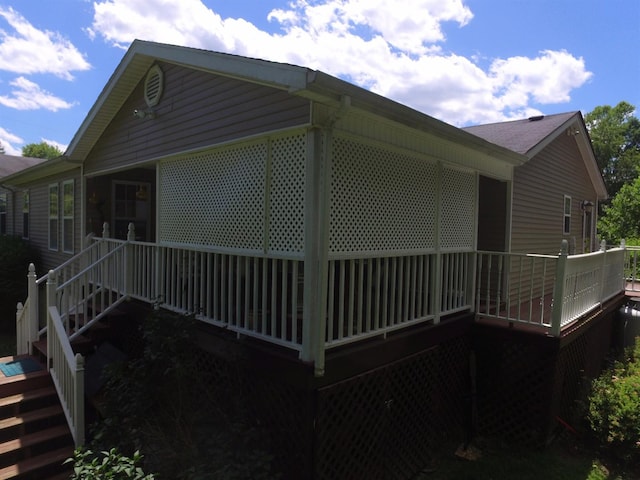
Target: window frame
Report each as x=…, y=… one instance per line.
x=3, y=213
x=566, y=215
x=68, y=207
x=26, y=206
x=54, y=216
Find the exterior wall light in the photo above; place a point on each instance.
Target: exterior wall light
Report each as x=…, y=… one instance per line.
x=586, y=205
x=144, y=114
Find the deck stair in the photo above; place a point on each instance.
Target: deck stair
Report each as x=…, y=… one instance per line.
x=34, y=437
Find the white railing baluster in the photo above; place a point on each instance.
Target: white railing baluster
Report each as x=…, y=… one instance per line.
x=331, y=301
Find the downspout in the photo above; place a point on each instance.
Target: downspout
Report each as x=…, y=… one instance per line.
x=321, y=164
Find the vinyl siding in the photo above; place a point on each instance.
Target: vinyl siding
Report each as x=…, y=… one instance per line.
x=39, y=219
x=197, y=110
x=9, y=223
x=538, y=198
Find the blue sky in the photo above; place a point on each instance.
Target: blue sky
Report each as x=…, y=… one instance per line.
x=462, y=61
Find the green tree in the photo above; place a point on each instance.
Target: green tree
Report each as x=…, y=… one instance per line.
x=621, y=218
x=615, y=136
x=41, y=150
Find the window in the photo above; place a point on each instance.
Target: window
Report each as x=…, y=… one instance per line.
x=53, y=217
x=3, y=213
x=25, y=214
x=67, y=216
x=567, y=215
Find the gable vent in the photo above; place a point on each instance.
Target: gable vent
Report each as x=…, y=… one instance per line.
x=153, y=85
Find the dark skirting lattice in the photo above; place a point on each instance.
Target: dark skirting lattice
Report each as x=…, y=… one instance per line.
x=529, y=384
x=385, y=423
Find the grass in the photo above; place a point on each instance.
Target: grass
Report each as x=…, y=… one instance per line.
x=563, y=460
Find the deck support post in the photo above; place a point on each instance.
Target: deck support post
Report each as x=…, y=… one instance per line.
x=558, y=290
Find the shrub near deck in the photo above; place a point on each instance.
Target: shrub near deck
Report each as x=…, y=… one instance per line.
x=614, y=407
x=186, y=426
x=15, y=256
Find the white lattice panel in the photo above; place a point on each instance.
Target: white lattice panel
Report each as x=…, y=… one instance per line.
x=458, y=211
x=215, y=198
x=286, y=195
x=381, y=200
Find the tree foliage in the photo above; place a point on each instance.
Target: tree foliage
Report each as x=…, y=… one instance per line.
x=41, y=150
x=621, y=218
x=615, y=136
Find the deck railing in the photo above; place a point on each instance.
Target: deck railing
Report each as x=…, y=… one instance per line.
x=262, y=297
x=67, y=373
x=632, y=269
x=547, y=291
x=255, y=296
x=374, y=296
x=515, y=287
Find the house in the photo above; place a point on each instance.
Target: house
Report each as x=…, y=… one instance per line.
x=14, y=210
x=328, y=231
x=555, y=193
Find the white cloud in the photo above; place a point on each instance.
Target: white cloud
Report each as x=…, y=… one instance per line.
x=394, y=51
x=29, y=50
x=8, y=141
x=60, y=146
x=548, y=78
x=27, y=95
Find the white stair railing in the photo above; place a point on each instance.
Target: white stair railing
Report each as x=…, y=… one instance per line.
x=65, y=367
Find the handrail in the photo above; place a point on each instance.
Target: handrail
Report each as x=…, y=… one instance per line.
x=23, y=339
x=67, y=373
x=547, y=291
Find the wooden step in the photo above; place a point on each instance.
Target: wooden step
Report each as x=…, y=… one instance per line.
x=14, y=402
x=18, y=384
x=45, y=465
x=30, y=417
x=80, y=344
x=27, y=396
x=31, y=439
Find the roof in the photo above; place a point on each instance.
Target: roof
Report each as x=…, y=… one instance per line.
x=296, y=80
x=531, y=135
x=524, y=135
x=10, y=164
x=301, y=81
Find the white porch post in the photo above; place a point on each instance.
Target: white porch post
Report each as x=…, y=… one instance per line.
x=129, y=260
x=558, y=290
x=78, y=401
x=436, y=276
x=32, y=295
x=51, y=302
x=314, y=308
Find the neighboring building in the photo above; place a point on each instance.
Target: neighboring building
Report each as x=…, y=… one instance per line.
x=329, y=233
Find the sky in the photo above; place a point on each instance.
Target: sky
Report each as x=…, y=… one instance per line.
x=465, y=62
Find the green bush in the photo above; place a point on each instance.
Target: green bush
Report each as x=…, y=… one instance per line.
x=15, y=257
x=614, y=407
x=106, y=465
x=187, y=427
